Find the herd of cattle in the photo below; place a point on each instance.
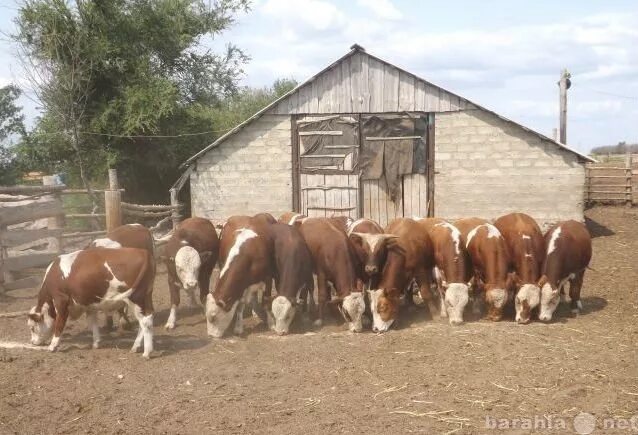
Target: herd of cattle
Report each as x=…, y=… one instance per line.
x=369, y=269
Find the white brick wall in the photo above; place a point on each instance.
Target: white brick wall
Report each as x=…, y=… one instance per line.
x=487, y=167
x=250, y=172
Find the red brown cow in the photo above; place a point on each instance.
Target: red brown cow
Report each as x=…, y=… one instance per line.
x=126, y=236
x=334, y=261
x=246, y=259
x=451, y=267
x=409, y=257
x=569, y=251
x=490, y=263
x=293, y=275
x=190, y=256
x=90, y=281
x=527, y=251
x=370, y=245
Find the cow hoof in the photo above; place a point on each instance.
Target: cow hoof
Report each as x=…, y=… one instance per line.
x=575, y=311
x=146, y=356
x=318, y=323
x=134, y=349
x=96, y=345
x=169, y=326
x=52, y=348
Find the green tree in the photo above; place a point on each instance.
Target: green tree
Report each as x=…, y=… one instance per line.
x=11, y=126
x=111, y=73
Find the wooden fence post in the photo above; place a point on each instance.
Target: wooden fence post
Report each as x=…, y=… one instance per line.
x=113, y=202
x=629, y=195
x=56, y=222
x=175, y=216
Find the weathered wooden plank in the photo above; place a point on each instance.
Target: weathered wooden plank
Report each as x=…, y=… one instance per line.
x=406, y=92
x=334, y=90
x=26, y=261
x=313, y=104
x=321, y=133
x=29, y=212
x=345, y=100
x=365, y=84
x=431, y=99
x=293, y=103
x=28, y=282
x=462, y=104
x=329, y=197
x=305, y=94
x=407, y=196
x=375, y=85
x=444, y=101
x=323, y=95
x=10, y=238
x=380, y=138
x=355, y=83
x=419, y=96
x=390, y=89
x=454, y=103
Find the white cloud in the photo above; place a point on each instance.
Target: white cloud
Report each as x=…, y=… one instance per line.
x=383, y=9
x=309, y=15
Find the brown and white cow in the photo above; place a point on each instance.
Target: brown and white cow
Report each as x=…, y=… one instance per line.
x=527, y=251
x=90, y=281
x=334, y=261
x=126, y=236
x=451, y=267
x=190, y=256
x=293, y=275
x=246, y=259
x=370, y=245
x=490, y=263
x=568, y=254
x=409, y=257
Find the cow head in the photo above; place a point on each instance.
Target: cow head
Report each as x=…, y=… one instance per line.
x=495, y=298
x=40, y=325
x=187, y=263
x=384, y=307
x=550, y=297
x=527, y=298
x=371, y=249
x=281, y=314
x=218, y=316
x=352, y=308
x=457, y=296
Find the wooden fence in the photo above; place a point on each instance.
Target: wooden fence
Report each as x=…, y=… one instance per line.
x=35, y=225
x=612, y=182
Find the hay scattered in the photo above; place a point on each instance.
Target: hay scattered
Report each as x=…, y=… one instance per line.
x=390, y=390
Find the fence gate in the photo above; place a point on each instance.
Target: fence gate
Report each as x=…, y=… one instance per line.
x=328, y=150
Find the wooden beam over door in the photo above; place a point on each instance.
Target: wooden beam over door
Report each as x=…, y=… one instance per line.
x=430, y=164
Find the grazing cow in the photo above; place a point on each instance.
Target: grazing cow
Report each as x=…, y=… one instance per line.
x=490, y=263
x=370, y=246
x=190, y=256
x=246, y=259
x=291, y=218
x=527, y=251
x=451, y=267
x=90, y=281
x=569, y=251
x=293, y=275
x=126, y=236
x=335, y=261
x=409, y=257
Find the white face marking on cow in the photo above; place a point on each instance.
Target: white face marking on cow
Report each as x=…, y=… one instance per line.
x=187, y=264
x=526, y=237
x=294, y=218
x=552, y=241
x=496, y=297
x=457, y=296
x=218, y=320
x=41, y=330
x=353, y=307
x=455, y=233
x=529, y=293
x=66, y=263
x=283, y=311
x=492, y=231
x=549, y=302
x=243, y=235
x=378, y=324
x=106, y=243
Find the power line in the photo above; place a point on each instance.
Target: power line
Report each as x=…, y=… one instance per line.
x=627, y=97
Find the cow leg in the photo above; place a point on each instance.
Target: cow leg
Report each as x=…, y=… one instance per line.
x=62, y=314
x=575, y=284
x=145, y=333
x=424, y=281
x=260, y=308
x=322, y=297
x=109, y=324
x=205, y=273
x=91, y=319
x=172, y=317
x=239, y=319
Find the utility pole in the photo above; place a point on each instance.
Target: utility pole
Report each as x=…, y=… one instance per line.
x=564, y=83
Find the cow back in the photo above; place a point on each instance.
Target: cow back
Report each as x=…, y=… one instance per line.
x=568, y=251
x=525, y=243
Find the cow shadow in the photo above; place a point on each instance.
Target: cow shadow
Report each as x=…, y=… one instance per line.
x=596, y=229
x=591, y=304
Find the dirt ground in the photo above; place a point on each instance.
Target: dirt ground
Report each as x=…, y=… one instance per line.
x=423, y=376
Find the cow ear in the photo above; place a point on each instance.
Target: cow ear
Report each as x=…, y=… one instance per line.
x=36, y=317
x=542, y=281
x=205, y=256
x=356, y=238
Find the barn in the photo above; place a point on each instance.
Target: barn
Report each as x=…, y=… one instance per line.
x=365, y=138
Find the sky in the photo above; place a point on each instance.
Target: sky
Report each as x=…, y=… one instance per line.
x=504, y=55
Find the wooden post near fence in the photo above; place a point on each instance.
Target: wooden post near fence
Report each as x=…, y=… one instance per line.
x=175, y=216
x=56, y=222
x=113, y=202
x=628, y=180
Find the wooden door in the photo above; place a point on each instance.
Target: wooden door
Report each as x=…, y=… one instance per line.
x=328, y=149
